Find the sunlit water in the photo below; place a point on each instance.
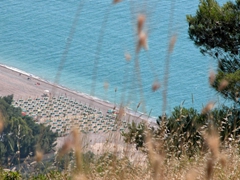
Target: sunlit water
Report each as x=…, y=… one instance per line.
x=33, y=37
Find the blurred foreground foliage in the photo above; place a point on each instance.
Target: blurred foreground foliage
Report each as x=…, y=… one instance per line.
x=21, y=136
x=15, y=175
x=183, y=132
x=215, y=30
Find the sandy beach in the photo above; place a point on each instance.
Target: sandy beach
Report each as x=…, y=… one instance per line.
x=24, y=85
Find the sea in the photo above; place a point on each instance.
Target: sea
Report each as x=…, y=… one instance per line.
x=82, y=45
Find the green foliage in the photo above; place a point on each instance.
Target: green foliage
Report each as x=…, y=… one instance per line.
x=44, y=138
x=112, y=167
x=232, y=90
x=11, y=175
x=216, y=31
x=21, y=135
x=87, y=159
x=7, y=110
x=227, y=120
x=136, y=134
x=181, y=133
x=68, y=161
x=50, y=175
x=65, y=161
x=14, y=175
x=215, y=28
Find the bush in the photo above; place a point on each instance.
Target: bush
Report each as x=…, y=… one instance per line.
x=182, y=132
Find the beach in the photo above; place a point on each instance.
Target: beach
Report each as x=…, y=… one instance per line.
x=24, y=85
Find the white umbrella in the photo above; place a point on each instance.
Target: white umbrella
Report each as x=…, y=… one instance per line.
x=46, y=91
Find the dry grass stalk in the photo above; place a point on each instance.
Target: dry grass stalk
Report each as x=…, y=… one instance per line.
x=212, y=77
x=70, y=142
x=116, y=1
x=142, y=36
x=67, y=146
x=156, y=158
x=1, y=126
x=121, y=112
x=223, y=84
x=1, y=122
x=140, y=23
x=77, y=147
x=79, y=177
x=127, y=56
x=213, y=142
x=172, y=43
x=223, y=160
x=142, y=41
x=209, y=169
x=155, y=86
x=166, y=73
x=191, y=175
x=38, y=156
x=208, y=108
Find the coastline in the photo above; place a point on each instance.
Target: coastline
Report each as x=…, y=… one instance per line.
x=24, y=85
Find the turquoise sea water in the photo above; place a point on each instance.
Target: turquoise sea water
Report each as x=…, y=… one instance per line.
x=34, y=34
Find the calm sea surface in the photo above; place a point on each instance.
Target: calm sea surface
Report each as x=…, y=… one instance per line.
x=34, y=35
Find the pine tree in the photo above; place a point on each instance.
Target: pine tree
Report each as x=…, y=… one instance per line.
x=215, y=30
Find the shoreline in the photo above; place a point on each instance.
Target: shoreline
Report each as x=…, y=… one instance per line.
x=27, y=85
